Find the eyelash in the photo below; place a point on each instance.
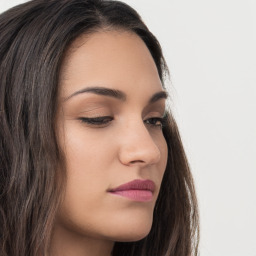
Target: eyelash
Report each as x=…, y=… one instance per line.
x=103, y=121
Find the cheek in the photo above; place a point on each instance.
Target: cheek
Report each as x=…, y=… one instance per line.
x=82, y=152
x=87, y=159
x=163, y=148
x=83, y=149
x=87, y=162
x=164, y=153
x=92, y=165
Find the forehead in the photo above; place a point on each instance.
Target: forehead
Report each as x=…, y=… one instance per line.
x=117, y=59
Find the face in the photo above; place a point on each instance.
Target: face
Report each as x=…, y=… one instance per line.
x=111, y=106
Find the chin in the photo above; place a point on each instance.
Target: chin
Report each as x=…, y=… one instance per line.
x=132, y=237
x=131, y=231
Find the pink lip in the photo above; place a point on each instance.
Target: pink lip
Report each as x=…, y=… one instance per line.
x=137, y=190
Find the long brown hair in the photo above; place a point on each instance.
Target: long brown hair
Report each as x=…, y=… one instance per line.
x=33, y=40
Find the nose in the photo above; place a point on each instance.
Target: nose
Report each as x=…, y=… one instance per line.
x=137, y=146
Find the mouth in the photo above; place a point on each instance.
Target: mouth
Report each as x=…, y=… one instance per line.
x=136, y=190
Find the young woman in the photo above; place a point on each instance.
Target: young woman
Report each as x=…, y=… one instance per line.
x=91, y=162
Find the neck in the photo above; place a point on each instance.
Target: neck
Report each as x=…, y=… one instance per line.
x=65, y=242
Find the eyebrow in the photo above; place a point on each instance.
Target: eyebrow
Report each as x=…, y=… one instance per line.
x=117, y=94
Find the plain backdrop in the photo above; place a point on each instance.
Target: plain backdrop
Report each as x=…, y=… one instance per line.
x=210, y=47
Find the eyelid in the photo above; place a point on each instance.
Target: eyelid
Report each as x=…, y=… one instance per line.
x=162, y=120
x=98, y=121
x=92, y=109
x=157, y=114
x=104, y=121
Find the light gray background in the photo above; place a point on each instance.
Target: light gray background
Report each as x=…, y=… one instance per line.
x=210, y=47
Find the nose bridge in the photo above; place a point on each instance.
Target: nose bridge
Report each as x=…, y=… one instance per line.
x=138, y=146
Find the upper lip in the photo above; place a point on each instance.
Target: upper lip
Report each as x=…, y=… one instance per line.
x=136, y=185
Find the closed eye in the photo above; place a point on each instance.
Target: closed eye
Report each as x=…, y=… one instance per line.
x=100, y=121
x=103, y=121
x=157, y=122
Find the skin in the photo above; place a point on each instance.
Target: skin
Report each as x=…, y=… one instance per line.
x=128, y=146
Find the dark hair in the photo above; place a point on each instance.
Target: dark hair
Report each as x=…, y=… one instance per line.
x=34, y=37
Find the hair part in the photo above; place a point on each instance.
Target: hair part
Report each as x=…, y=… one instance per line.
x=34, y=38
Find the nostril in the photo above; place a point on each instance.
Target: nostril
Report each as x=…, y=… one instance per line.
x=139, y=148
x=136, y=161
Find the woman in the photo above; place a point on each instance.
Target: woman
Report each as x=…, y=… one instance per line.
x=91, y=161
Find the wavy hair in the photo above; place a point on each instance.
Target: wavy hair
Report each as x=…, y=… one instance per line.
x=34, y=38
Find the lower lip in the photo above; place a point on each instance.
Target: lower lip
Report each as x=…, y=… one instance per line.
x=136, y=195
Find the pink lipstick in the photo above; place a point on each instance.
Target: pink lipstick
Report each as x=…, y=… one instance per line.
x=137, y=190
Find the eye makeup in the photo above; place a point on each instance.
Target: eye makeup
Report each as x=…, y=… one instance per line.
x=97, y=122
x=99, y=111
x=104, y=121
